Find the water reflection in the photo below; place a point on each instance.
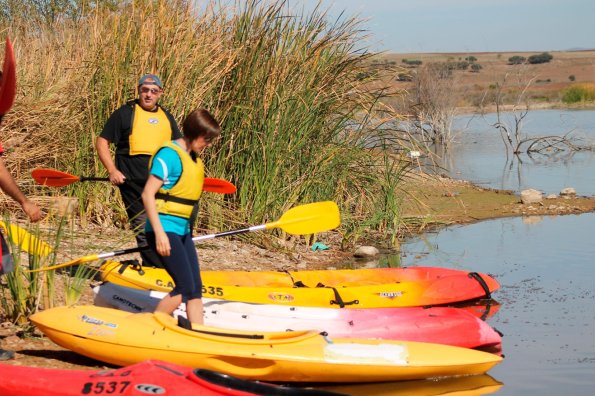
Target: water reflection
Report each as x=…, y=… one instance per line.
x=547, y=276
x=470, y=385
x=479, y=155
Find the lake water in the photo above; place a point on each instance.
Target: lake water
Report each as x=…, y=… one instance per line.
x=547, y=274
x=479, y=155
x=545, y=265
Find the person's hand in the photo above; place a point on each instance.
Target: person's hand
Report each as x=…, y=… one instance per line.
x=116, y=177
x=162, y=242
x=32, y=211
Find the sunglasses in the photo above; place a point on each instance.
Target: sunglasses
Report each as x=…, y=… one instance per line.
x=154, y=91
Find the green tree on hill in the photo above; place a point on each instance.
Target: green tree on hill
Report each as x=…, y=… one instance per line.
x=516, y=60
x=476, y=67
x=544, y=57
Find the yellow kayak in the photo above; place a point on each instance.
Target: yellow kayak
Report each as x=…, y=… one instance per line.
x=358, y=288
x=122, y=338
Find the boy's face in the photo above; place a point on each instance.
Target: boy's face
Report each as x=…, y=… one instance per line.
x=200, y=143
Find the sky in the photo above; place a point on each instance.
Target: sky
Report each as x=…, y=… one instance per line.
x=413, y=26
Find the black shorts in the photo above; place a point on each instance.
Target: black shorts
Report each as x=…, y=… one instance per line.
x=182, y=265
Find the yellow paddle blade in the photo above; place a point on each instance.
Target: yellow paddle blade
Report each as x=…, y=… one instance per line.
x=309, y=218
x=77, y=261
x=26, y=241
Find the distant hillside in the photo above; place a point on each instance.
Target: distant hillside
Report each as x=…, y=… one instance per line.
x=549, y=80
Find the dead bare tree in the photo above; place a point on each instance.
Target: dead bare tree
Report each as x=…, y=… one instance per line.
x=511, y=132
x=433, y=103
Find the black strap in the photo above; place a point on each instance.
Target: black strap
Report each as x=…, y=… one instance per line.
x=173, y=198
x=338, y=300
x=481, y=282
x=299, y=284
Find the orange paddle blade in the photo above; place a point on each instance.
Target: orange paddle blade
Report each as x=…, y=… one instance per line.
x=52, y=177
x=218, y=186
x=9, y=79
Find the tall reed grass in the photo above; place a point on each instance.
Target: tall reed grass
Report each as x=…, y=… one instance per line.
x=22, y=292
x=298, y=105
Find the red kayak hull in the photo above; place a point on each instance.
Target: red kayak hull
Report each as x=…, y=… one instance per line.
x=149, y=377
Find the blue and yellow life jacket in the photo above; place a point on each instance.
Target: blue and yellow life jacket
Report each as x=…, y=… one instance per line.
x=181, y=198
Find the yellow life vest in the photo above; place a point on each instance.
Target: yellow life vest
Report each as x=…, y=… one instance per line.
x=183, y=196
x=150, y=130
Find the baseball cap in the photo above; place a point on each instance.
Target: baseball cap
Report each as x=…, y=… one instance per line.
x=156, y=80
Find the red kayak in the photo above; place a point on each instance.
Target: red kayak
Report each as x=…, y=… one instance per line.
x=151, y=377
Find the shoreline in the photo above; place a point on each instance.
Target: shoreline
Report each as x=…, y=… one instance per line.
x=471, y=110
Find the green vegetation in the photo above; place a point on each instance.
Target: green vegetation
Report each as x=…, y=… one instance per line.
x=580, y=93
x=301, y=111
x=516, y=60
x=476, y=67
x=412, y=62
x=22, y=292
x=544, y=57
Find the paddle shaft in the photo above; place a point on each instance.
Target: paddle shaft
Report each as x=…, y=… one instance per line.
x=300, y=220
x=55, y=178
x=93, y=178
x=195, y=239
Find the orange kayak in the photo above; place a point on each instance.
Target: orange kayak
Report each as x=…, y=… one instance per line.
x=357, y=288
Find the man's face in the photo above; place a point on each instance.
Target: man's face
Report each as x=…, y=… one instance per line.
x=149, y=94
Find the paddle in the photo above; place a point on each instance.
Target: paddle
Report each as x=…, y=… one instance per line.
x=9, y=79
x=56, y=178
x=300, y=220
x=27, y=241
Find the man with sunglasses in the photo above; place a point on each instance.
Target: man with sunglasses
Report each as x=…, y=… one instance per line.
x=137, y=129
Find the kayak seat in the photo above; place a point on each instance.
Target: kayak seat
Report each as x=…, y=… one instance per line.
x=255, y=387
x=184, y=323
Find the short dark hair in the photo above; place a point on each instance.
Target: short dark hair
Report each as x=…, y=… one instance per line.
x=200, y=123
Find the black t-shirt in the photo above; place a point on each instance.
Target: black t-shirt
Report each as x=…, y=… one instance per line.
x=117, y=131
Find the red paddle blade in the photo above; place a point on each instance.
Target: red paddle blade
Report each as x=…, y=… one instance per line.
x=9, y=79
x=52, y=177
x=218, y=186
x=56, y=178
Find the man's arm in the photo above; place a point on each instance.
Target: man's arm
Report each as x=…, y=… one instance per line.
x=9, y=186
x=102, y=146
